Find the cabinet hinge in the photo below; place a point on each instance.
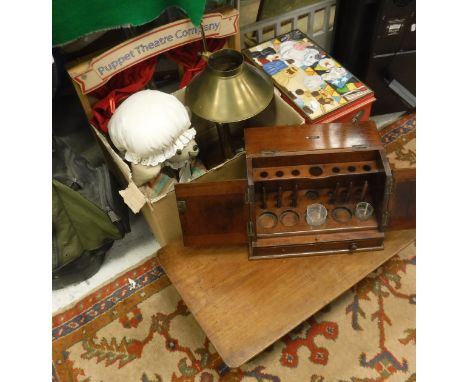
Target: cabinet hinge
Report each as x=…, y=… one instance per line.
x=385, y=219
x=356, y=147
x=250, y=229
x=389, y=186
x=181, y=206
x=249, y=195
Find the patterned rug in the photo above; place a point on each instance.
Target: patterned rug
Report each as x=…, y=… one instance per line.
x=137, y=329
x=399, y=139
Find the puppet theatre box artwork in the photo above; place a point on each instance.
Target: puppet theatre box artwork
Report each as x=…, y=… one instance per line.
x=311, y=80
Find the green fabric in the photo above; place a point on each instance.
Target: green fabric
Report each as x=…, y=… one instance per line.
x=79, y=224
x=72, y=19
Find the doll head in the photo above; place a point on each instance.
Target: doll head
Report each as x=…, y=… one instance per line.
x=183, y=155
x=149, y=127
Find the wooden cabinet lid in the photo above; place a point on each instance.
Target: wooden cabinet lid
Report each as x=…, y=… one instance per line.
x=213, y=213
x=277, y=139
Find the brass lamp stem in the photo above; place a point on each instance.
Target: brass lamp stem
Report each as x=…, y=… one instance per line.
x=225, y=139
x=205, y=54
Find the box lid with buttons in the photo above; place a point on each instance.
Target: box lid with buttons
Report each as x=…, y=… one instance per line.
x=311, y=81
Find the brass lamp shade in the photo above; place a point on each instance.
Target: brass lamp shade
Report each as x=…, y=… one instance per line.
x=228, y=90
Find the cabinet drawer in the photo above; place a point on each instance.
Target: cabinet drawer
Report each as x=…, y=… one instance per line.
x=317, y=248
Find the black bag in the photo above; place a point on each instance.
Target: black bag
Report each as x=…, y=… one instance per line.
x=88, y=215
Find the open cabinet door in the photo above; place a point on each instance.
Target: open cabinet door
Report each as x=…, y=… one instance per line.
x=213, y=213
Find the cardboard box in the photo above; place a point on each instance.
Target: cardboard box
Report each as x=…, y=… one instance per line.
x=88, y=74
x=161, y=213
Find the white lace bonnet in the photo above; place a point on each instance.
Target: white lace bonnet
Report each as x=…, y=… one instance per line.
x=150, y=126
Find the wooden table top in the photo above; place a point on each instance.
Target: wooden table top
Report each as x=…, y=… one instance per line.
x=244, y=306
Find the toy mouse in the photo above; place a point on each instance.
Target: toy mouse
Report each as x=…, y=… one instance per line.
x=183, y=161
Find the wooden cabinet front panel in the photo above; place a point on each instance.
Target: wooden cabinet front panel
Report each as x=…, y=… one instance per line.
x=402, y=204
x=213, y=213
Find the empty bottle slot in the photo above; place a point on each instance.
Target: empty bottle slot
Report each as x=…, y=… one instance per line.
x=289, y=218
x=316, y=171
x=312, y=194
x=267, y=220
x=342, y=214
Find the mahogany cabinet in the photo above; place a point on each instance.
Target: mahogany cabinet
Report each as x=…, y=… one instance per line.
x=290, y=170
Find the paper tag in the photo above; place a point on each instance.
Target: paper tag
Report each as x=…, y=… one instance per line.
x=133, y=198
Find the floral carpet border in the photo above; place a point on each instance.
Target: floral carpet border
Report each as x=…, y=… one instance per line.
x=395, y=131
x=106, y=298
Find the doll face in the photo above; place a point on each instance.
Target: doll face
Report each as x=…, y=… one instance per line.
x=189, y=151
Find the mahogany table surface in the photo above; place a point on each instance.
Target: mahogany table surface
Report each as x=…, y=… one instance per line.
x=244, y=306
